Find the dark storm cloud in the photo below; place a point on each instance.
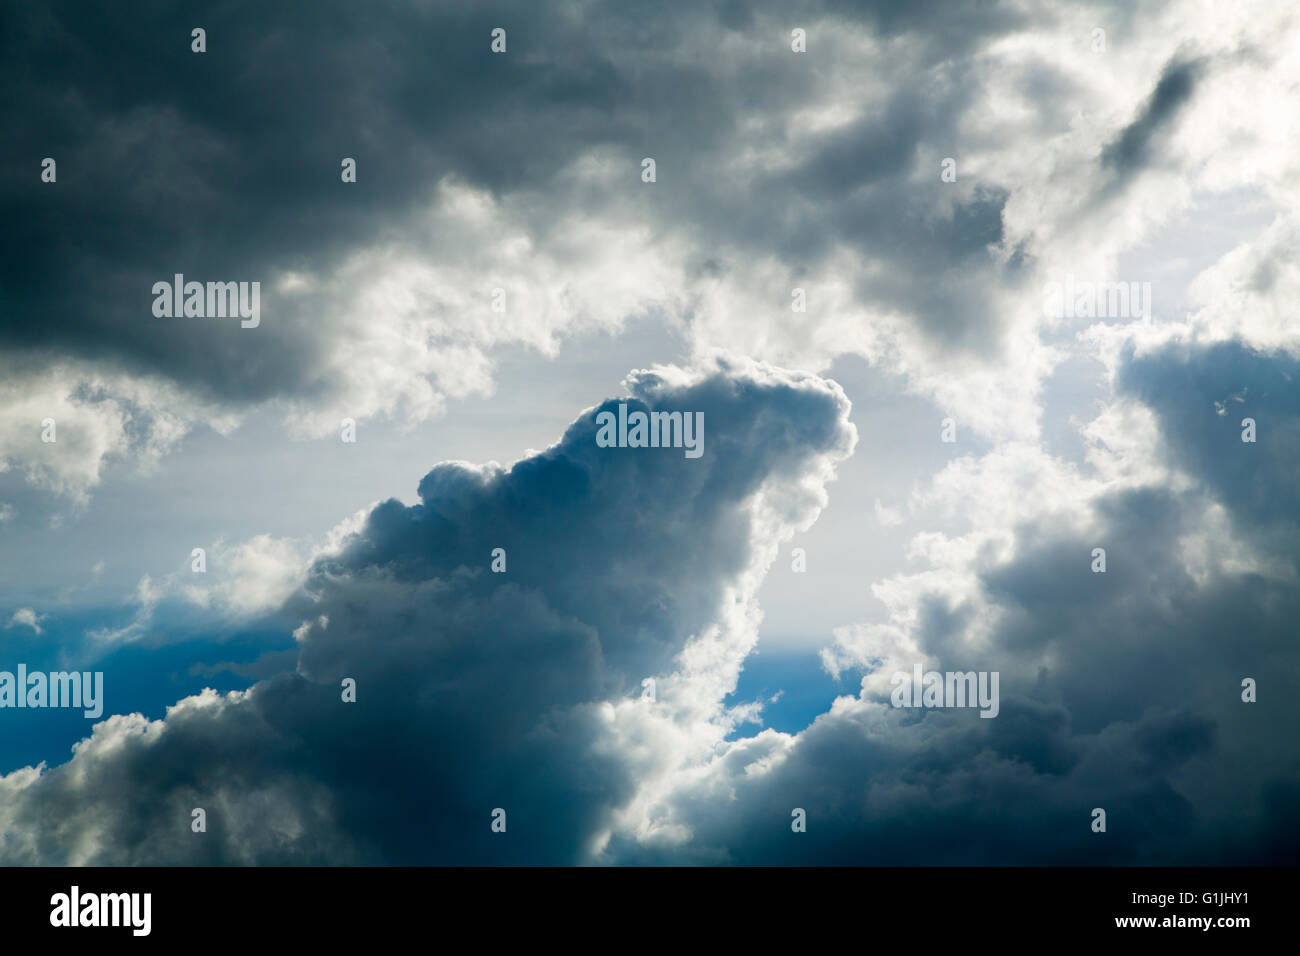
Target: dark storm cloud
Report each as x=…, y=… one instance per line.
x=225, y=165
x=947, y=790
x=475, y=690
x=1140, y=707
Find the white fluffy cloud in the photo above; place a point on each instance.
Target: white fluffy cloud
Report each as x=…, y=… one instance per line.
x=62, y=423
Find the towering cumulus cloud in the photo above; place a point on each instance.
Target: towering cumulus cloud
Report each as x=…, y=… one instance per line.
x=477, y=690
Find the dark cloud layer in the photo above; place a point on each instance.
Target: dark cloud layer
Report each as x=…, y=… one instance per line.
x=225, y=165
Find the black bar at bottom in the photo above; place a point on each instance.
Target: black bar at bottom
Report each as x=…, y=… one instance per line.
x=373, y=904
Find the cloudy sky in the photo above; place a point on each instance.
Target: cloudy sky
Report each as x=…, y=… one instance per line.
x=860, y=216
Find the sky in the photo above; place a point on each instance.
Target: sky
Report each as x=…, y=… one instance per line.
x=877, y=248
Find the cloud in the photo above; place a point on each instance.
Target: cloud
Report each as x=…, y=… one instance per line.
x=478, y=690
x=26, y=617
x=63, y=423
x=1130, y=151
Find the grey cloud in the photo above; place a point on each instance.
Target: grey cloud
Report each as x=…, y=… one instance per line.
x=1131, y=150
x=1201, y=394
x=225, y=165
x=1139, y=714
